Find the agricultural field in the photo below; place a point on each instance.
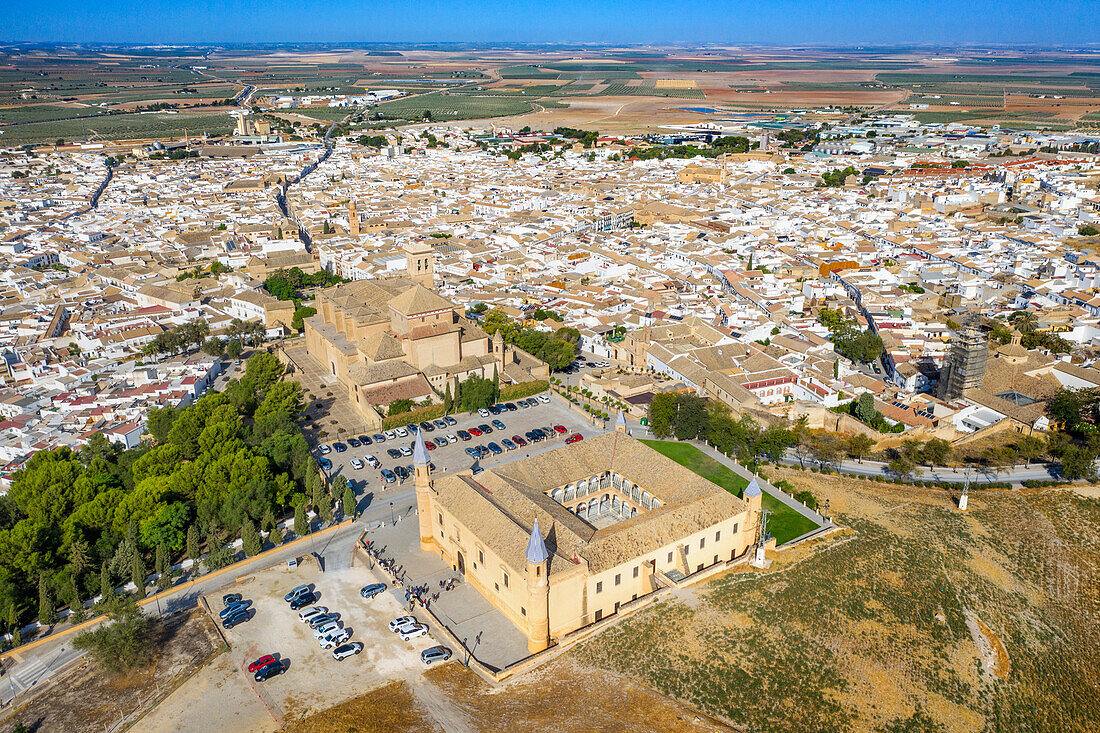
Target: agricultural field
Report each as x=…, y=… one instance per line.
x=784, y=523
x=118, y=127
x=618, y=90
x=452, y=107
x=916, y=618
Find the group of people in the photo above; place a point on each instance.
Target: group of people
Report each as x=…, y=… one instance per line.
x=414, y=594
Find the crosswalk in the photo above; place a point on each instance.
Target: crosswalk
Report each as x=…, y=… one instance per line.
x=23, y=676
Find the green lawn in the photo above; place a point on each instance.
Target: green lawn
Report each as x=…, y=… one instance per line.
x=784, y=523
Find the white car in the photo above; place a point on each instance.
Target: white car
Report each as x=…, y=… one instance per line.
x=483, y=412
x=544, y=399
x=452, y=438
x=347, y=650
x=324, y=449
x=390, y=435
x=325, y=629
x=402, y=433
x=336, y=638
x=311, y=613
x=407, y=633
x=401, y=621
x=356, y=463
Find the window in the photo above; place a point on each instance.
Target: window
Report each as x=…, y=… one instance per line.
x=670, y=557
x=702, y=542
x=522, y=611
x=496, y=587
x=599, y=587
x=481, y=557
x=599, y=615
x=715, y=559
x=717, y=536
x=735, y=529
x=506, y=580
x=618, y=579
x=441, y=517
x=635, y=572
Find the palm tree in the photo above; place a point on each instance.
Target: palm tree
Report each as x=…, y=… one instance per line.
x=1026, y=321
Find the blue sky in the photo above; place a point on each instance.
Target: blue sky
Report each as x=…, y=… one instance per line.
x=1044, y=22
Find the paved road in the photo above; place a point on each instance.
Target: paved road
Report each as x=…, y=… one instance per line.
x=1017, y=474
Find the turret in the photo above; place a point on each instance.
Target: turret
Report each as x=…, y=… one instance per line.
x=538, y=593
x=620, y=423
x=422, y=476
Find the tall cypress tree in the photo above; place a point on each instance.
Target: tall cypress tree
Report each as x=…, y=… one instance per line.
x=138, y=574
x=447, y=400
x=46, y=612
x=193, y=550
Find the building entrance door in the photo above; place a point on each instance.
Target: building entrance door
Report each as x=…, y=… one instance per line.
x=461, y=565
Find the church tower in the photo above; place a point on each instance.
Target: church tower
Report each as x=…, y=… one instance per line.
x=353, y=218
x=422, y=476
x=620, y=423
x=420, y=261
x=538, y=593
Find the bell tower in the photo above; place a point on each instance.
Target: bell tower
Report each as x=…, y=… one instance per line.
x=353, y=218
x=420, y=262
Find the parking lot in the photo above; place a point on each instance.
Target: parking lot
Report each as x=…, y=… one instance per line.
x=313, y=680
x=453, y=457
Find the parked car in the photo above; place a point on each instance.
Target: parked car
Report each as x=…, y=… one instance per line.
x=324, y=463
x=303, y=600
x=485, y=429
x=544, y=399
x=261, y=662
x=300, y=590
x=324, y=449
x=320, y=620
x=370, y=591
x=325, y=629
x=233, y=608
x=430, y=444
x=311, y=613
x=427, y=427
x=401, y=471
x=340, y=447
x=378, y=438
x=510, y=407
x=450, y=420
x=483, y=412
x=336, y=638
x=476, y=432
x=519, y=441
x=508, y=445
x=393, y=453
x=356, y=464
x=388, y=476
x=402, y=433
x=472, y=452
x=574, y=438
x=498, y=425
x=482, y=451
x=372, y=461
x=364, y=440
x=238, y=618
x=560, y=429
x=435, y=654
x=406, y=450
x=407, y=633
x=496, y=449
x=440, y=423
x=463, y=435
x=440, y=442
x=346, y=650
x=401, y=621
x=390, y=435
x=266, y=673
x=452, y=438
x=354, y=442
x=230, y=598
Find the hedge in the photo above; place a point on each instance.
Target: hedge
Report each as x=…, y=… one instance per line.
x=507, y=393
x=1042, y=483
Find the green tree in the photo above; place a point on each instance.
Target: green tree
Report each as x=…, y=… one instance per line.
x=78, y=556
x=77, y=614
x=859, y=445
x=233, y=349
x=282, y=397
x=194, y=551
x=662, y=413
x=47, y=614
x=691, y=416
x=400, y=406
x=214, y=346
x=268, y=523
x=1030, y=448
x=496, y=385
x=937, y=452
x=106, y=584
x=348, y=500
x=123, y=643
x=447, y=400
x=300, y=525
x=250, y=539
x=159, y=421
x=138, y=574
x=163, y=567
x=298, y=321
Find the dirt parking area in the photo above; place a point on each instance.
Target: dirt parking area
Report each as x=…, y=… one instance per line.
x=232, y=700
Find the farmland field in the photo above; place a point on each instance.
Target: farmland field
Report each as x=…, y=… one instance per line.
x=119, y=127
x=453, y=107
x=921, y=618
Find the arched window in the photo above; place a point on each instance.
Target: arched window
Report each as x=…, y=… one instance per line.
x=570, y=495
x=645, y=499
x=615, y=503
x=656, y=503
x=582, y=487
x=594, y=482
x=557, y=495
x=616, y=480
x=633, y=512
x=593, y=506
x=636, y=493
x=582, y=510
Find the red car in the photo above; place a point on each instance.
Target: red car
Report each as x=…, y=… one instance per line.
x=519, y=441
x=475, y=432
x=560, y=428
x=429, y=445
x=261, y=662
x=574, y=438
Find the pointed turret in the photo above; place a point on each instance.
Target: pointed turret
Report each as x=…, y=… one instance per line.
x=536, y=549
x=620, y=422
x=420, y=451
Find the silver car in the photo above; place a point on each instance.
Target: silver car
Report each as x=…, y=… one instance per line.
x=435, y=654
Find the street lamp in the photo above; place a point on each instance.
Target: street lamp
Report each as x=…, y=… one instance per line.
x=393, y=522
